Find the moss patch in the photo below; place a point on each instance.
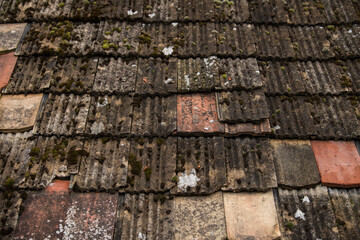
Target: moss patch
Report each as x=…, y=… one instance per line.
x=135, y=165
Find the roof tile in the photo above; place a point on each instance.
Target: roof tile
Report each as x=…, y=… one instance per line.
x=7, y=65
x=10, y=208
x=10, y=36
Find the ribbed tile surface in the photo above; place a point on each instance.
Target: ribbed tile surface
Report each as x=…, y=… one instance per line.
x=154, y=116
x=115, y=76
x=10, y=203
x=63, y=115
x=157, y=76
x=160, y=10
x=250, y=164
x=347, y=211
x=319, y=117
x=152, y=164
x=145, y=216
x=196, y=10
x=242, y=106
x=104, y=167
x=201, y=166
x=109, y=115
x=306, y=214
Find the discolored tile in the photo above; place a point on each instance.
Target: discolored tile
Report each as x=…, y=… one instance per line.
x=10, y=36
x=7, y=65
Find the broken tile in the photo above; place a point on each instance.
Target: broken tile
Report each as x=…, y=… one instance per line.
x=306, y=214
x=109, y=115
x=196, y=113
x=201, y=165
x=104, y=166
x=346, y=205
x=251, y=216
x=115, y=76
x=19, y=112
x=10, y=36
x=338, y=163
x=157, y=76
x=145, y=216
x=7, y=65
x=200, y=217
x=152, y=164
x=154, y=116
x=295, y=163
x=47, y=211
x=250, y=164
x=242, y=106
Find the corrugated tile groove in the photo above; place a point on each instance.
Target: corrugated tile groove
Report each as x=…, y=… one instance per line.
x=115, y=76
x=157, y=76
x=200, y=165
x=109, y=115
x=249, y=164
x=301, y=78
x=318, y=117
x=52, y=157
x=145, y=216
x=306, y=213
x=242, y=106
x=63, y=115
x=14, y=156
x=154, y=116
x=152, y=164
x=104, y=166
x=10, y=210
x=346, y=206
x=196, y=10
x=235, y=11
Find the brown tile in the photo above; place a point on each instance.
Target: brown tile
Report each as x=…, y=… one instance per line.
x=200, y=217
x=10, y=35
x=7, y=64
x=262, y=128
x=197, y=113
x=18, y=112
x=338, y=163
x=251, y=216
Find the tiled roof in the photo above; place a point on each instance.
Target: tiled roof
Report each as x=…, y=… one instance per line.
x=179, y=119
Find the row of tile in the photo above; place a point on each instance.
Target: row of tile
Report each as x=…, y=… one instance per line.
x=191, y=40
x=274, y=12
x=317, y=213
x=157, y=76
x=182, y=165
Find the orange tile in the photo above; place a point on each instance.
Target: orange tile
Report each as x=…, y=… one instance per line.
x=58, y=186
x=197, y=113
x=7, y=64
x=338, y=163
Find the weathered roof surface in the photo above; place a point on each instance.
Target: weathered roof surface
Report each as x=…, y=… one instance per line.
x=170, y=119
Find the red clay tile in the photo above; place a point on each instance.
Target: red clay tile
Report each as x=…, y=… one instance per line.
x=197, y=113
x=7, y=64
x=58, y=186
x=338, y=163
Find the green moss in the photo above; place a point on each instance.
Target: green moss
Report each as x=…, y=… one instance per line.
x=67, y=84
x=147, y=171
x=105, y=140
x=135, y=165
x=160, y=141
x=345, y=81
x=35, y=152
x=224, y=76
x=282, y=68
x=148, y=7
x=331, y=27
x=289, y=226
x=106, y=46
x=145, y=38
x=175, y=179
x=61, y=4
x=72, y=157
x=9, y=182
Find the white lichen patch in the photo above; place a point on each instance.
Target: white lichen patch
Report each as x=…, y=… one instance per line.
x=168, y=50
x=131, y=12
x=168, y=81
x=306, y=199
x=102, y=103
x=152, y=15
x=187, y=180
x=97, y=128
x=300, y=214
x=174, y=24
x=187, y=80
x=142, y=236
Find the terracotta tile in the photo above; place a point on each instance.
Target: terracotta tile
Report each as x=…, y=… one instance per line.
x=58, y=186
x=10, y=36
x=251, y=216
x=7, y=64
x=197, y=113
x=18, y=112
x=295, y=163
x=338, y=163
x=200, y=217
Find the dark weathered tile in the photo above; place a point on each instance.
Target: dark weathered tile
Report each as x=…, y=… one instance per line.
x=196, y=10
x=249, y=164
x=18, y=113
x=160, y=10
x=295, y=163
x=232, y=11
x=152, y=164
x=10, y=208
x=109, y=115
x=200, y=165
x=338, y=163
x=154, y=116
x=306, y=214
